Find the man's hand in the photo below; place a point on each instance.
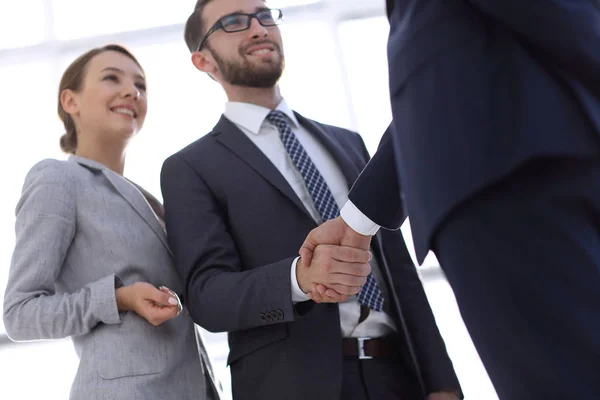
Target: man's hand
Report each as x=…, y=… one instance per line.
x=334, y=232
x=320, y=294
x=443, y=396
x=343, y=269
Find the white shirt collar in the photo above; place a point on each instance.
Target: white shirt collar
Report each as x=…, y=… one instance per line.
x=251, y=116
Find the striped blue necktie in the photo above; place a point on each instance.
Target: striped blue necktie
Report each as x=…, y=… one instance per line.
x=370, y=294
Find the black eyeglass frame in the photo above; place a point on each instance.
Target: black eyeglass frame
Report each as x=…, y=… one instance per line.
x=219, y=24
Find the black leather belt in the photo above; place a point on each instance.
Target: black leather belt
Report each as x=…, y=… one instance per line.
x=367, y=348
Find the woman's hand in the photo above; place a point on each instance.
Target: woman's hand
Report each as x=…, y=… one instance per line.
x=173, y=294
x=154, y=305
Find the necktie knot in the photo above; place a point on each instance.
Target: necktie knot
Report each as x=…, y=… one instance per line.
x=278, y=119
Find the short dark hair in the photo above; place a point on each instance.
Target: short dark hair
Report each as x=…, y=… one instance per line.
x=194, y=27
x=73, y=79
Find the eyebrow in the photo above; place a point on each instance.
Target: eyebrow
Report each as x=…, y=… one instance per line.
x=257, y=9
x=122, y=72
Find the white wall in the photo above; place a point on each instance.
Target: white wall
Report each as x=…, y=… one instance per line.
x=336, y=72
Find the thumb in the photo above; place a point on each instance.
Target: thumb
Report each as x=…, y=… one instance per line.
x=307, y=249
x=327, y=233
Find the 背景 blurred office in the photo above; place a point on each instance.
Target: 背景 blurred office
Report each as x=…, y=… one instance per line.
x=334, y=48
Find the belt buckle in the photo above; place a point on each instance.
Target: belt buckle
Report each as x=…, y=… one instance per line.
x=361, y=348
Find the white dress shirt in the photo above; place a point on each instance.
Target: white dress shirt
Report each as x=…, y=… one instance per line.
x=358, y=221
x=250, y=118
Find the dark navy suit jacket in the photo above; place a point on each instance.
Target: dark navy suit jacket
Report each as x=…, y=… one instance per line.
x=479, y=87
x=235, y=225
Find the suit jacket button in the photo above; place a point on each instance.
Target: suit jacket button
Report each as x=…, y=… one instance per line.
x=263, y=317
x=279, y=314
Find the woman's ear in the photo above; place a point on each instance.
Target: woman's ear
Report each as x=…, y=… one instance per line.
x=69, y=101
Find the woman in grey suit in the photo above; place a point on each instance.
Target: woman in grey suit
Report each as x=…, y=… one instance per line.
x=91, y=249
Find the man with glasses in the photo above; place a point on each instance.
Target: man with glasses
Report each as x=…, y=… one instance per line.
x=240, y=201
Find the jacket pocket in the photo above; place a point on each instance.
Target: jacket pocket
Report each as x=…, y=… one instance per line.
x=242, y=343
x=133, y=347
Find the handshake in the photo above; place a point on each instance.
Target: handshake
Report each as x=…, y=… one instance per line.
x=334, y=262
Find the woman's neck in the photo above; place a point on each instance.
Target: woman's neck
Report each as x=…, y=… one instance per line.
x=110, y=155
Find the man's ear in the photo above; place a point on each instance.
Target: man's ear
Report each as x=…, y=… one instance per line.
x=69, y=101
x=204, y=63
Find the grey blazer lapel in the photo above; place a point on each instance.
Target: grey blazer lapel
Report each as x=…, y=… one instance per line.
x=130, y=194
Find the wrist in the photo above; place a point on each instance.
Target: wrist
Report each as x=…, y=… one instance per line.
x=301, y=276
x=359, y=222
x=123, y=295
x=353, y=238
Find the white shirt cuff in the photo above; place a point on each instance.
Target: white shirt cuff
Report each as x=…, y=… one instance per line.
x=358, y=221
x=298, y=296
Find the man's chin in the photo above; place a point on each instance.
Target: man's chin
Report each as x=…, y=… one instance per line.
x=264, y=77
x=262, y=84
x=255, y=74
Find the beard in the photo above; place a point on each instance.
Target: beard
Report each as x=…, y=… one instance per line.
x=245, y=73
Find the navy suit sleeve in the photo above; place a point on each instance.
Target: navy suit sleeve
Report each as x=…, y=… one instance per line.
x=429, y=347
x=377, y=191
x=567, y=32
x=220, y=295
x=430, y=351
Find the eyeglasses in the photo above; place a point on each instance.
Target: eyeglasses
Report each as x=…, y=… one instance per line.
x=238, y=22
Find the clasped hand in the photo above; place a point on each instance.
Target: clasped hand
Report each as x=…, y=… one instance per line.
x=156, y=305
x=334, y=262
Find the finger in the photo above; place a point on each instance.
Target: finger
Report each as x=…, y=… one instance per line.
x=320, y=290
x=308, y=248
x=350, y=254
x=156, y=314
x=175, y=295
x=162, y=297
x=314, y=294
x=356, y=269
x=330, y=296
x=155, y=305
x=166, y=312
x=334, y=295
x=315, y=297
x=328, y=232
x=167, y=290
x=345, y=280
x=325, y=259
x=313, y=289
x=344, y=290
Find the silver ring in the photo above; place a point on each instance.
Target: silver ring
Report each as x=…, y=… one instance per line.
x=179, y=305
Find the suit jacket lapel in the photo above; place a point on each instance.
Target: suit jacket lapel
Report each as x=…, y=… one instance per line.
x=349, y=169
x=135, y=199
x=230, y=136
x=153, y=202
x=130, y=194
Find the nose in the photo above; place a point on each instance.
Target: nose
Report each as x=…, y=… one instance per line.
x=131, y=90
x=256, y=30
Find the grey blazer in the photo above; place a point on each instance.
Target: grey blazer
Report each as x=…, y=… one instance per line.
x=81, y=231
